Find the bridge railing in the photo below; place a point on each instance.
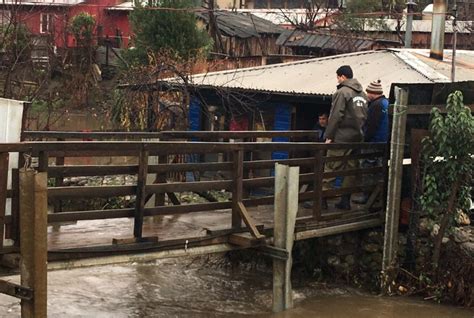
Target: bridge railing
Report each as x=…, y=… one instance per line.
x=234, y=177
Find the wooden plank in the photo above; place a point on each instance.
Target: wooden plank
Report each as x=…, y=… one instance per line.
x=60, y=171
x=318, y=184
x=4, y=157
x=266, y=164
x=237, y=188
x=58, y=182
x=141, y=194
x=15, y=217
x=43, y=163
x=203, y=135
x=133, y=240
x=189, y=186
x=353, y=172
x=338, y=229
x=90, y=192
x=248, y=220
x=394, y=187
x=244, y=240
x=101, y=148
x=15, y=290
x=370, y=155
x=33, y=210
x=184, y=167
x=91, y=215
x=161, y=179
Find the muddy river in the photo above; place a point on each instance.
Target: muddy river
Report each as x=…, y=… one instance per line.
x=207, y=287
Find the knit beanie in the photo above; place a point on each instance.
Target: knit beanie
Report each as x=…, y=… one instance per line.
x=345, y=70
x=375, y=87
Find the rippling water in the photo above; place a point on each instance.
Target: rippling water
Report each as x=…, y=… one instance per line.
x=206, y=287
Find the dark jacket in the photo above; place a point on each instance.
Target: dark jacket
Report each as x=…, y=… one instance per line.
x=321, y=131
x=348, y=113
x=376, y=127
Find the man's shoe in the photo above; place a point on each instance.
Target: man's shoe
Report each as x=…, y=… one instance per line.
x=345, y=203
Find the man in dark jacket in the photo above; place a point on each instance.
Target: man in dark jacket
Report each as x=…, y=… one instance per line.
x=321, y=126
x=375, y=128
x=347, y=117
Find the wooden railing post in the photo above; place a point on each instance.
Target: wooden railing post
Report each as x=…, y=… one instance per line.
x=3, y=192
x=318, y=184
x=15, y=227
x=59, y=182
x=141, y=193
x=237, y=188
x=34, y=246
x=392, y=214
x=161, y=178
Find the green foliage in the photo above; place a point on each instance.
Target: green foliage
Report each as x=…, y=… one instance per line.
x=82, y=27
x=15, y=42
x=448, y=160
x=157, y=30
x=361, y=14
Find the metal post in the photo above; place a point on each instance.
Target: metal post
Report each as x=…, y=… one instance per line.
x=394, y=185
x=286, y=208
x=437, y=29
x=34, y=246
x=408, y=31
x=455, y=31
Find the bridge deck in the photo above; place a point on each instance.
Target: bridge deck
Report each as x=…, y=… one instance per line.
x=102, y=232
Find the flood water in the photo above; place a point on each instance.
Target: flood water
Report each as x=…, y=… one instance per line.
x=207, y=287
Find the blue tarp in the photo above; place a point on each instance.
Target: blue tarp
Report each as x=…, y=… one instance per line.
x=282, y=122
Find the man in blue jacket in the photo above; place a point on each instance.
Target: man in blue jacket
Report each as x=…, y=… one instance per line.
x=376, y=126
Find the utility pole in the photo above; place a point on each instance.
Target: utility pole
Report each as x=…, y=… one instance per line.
x=410, y=6
x=453, y=60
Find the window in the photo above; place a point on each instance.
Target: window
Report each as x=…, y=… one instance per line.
x=46, y=23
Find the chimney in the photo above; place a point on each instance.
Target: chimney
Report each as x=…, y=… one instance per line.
x=437, y=29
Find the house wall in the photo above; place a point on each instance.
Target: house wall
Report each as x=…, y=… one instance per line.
x=113, y=24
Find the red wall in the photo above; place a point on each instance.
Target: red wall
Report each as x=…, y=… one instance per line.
x=113, y=22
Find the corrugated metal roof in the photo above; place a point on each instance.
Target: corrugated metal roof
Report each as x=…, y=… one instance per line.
x=318, y=76
x=340, y=43
x=242, y=25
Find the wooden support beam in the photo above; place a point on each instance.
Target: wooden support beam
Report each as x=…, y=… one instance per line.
x=244, y=240
x=15, y=290
x=249, y=221
x=33, y=225
x=161, y=179
x=141, y=193
x=286, y=208
x=318, y=184
x=237, y=187
x=3, y=192
x=394, y=186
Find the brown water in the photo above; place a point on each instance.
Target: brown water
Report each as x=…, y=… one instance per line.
x=207, y=287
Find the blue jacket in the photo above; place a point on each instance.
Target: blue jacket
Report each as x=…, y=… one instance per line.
x=376, y=126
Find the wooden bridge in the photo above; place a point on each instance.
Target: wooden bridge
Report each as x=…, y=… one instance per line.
x=228, y=162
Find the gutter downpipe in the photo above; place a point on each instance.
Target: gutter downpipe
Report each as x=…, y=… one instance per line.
x=437, y=29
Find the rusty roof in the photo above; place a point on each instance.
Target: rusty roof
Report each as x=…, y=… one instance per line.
x=318, y=76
